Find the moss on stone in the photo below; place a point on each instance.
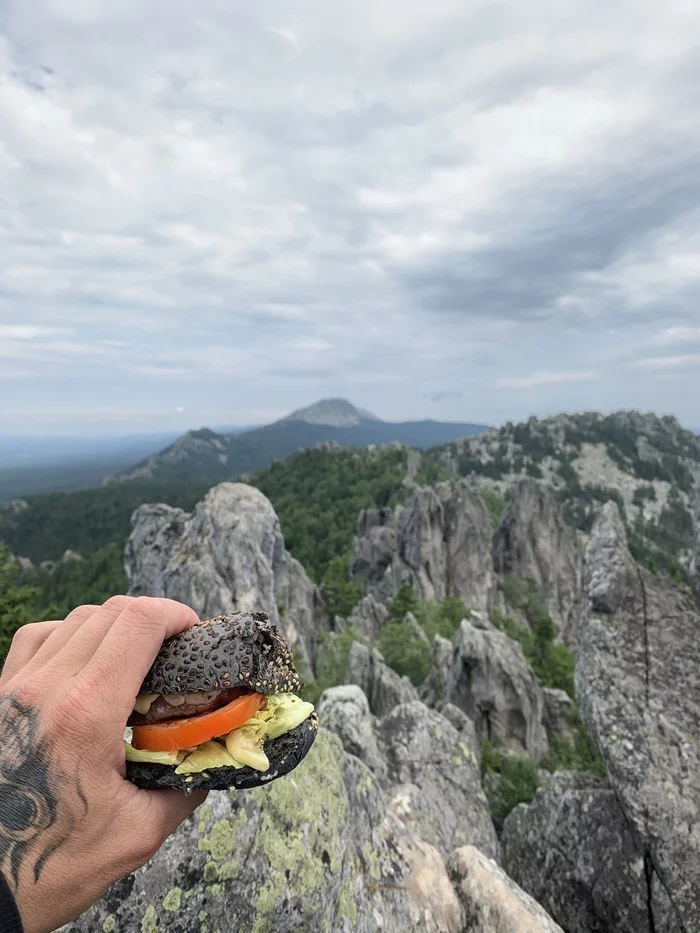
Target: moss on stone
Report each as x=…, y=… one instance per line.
x=373, y=867
x=110, y=924
x=172, y=900
x=149, y=922
x=347, y=909
x=205, y=813
x=223, y=836
x=215, y=889
x=301, y=818
x=211, y=873
x=229, y=870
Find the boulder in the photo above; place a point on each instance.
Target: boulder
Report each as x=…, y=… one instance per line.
x=492, y=682
x=434, y=780
x=439, y=543
x=572, y=850
x=534, y=542
x=317, y=851
x=345, y=711
x=228, y=554
x=493, y=903
x=638, y=686
x=382, y=686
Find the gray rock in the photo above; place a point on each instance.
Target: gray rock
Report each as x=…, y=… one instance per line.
x=383, y=687
x=493, y=903
x=572, y=850
x=229, y=553
x=434, y=780
x=462, y=723
x=432, y=690
x=368, y=616
x=416, y=628
x=559, y=713
x=374, y=550
x=439, y=543
x=695, y=560
x=71, y=557
x=638, y=685
x=534, y=542
x=345, y=711
x=317, y=851
x=492, y=682
x=299, y=601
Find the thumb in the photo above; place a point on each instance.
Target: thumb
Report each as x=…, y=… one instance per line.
x=158, y=813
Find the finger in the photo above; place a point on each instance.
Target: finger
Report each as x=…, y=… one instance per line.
x=126, y=653
x=80, y=641
x=25, y=644
x=60, y=636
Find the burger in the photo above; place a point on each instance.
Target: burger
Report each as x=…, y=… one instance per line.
x=219, y=708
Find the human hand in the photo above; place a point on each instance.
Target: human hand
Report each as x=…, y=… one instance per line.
x=70, y=824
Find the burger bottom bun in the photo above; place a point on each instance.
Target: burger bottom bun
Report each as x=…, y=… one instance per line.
x=284, y=754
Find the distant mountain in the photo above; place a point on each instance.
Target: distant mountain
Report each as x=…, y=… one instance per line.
x=334, y=412
x=209, y=456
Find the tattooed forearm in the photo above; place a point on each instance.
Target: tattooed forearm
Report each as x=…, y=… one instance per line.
x=28, y=799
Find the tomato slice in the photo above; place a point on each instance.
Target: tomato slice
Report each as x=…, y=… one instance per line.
x=177, y=734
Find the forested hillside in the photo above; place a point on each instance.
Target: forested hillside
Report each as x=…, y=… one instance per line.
x=648, y=465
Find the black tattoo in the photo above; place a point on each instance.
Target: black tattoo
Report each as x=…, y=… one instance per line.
x=28, y=803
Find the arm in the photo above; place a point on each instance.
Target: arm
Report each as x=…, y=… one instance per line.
x=70, y=823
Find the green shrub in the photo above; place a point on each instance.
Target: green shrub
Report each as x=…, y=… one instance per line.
x=332, y=661
x=508, y=780
x=404, y=601
x=340, y=593
x=442, y=618
x=551, y=661
x=495, y=504
x=405, y=651
x=577, y=754
x=16, y=601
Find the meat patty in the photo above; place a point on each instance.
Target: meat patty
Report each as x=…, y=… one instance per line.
x=162, y=711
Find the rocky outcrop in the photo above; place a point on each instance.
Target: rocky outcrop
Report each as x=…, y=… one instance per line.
x=382, y=686
x=493, y=903
x=368, y=617
x=439, y=543
x=432, y=690
x=491, y=681
x=534, y=542
x=695, y=561
x=229, y=553
x=572, y=850
x=318, y=851
x=639, y=694
x=433, y=779
x=299, y=601
x=429, y=769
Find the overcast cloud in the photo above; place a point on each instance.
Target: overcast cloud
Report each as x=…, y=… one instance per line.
x=213, y=213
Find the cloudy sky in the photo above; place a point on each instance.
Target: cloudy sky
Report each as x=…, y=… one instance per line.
x=214, y=212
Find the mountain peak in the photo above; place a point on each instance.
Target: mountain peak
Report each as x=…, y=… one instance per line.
x=336, y=412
